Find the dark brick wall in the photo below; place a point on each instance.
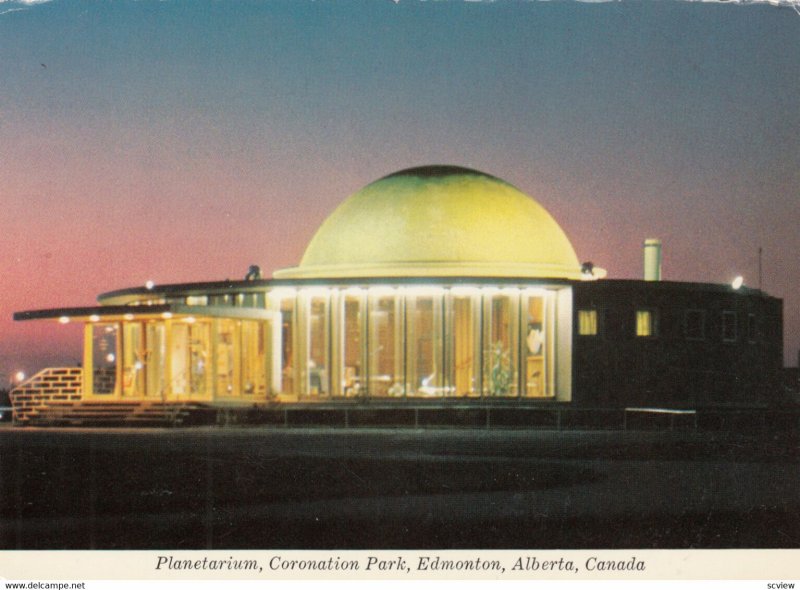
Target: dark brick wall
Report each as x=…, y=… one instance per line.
x=617, y=368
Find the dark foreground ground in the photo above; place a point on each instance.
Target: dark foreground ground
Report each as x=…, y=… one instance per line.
x=382, y=488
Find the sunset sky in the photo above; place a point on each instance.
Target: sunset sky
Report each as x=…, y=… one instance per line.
x=183, y=141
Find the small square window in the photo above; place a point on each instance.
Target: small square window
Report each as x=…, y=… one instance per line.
x=695, y=324
x=646, y=323
x=587, y=322
x=729, y=326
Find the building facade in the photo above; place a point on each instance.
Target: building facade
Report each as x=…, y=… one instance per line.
x=431, y=285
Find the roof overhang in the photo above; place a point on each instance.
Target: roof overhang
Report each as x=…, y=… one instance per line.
x=143, y=312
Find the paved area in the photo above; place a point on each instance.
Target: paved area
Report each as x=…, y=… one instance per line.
x=393, y=488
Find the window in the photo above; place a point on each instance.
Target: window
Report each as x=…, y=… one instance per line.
x=751, y=327
x=317, y=377
x=695, y=324
x=105, y=348
x=352, y=371
x=386, y=368
x=729, y=326
x=587, y=322
x=501, y=351
x=646, y=323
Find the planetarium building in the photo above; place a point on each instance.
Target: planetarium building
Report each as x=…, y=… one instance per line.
x=430, y=287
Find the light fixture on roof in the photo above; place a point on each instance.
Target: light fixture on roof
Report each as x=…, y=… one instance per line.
x=590, y=272
x=149, y=285
x=19, y=376
x=737, y=282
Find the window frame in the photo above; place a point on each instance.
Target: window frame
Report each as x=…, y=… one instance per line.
x=588, y=310
x=723, y=325
x=653, y=324
x=701, y=313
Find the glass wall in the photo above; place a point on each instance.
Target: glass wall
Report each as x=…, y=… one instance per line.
x=501, y=351
x=353, y=345
x=463, y=344
x=538, y=346
x=225, y=356
x=254, y=359
x=156, y=358
x=421, y=342
x=385, y=346
x=143, y=354
x=424, y=348
x=190, y=370
x=318, y=350
x=105, y=352
x=284, y=302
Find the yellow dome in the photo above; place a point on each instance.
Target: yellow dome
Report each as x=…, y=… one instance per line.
x=438, y=221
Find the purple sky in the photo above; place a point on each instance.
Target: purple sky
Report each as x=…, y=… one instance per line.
x=180, y=141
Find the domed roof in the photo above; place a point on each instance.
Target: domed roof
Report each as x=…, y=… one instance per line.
x=438, y=221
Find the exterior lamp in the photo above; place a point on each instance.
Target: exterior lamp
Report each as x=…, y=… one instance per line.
x=737, y=282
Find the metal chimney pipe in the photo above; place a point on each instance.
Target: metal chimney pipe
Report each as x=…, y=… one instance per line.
x=652, y=259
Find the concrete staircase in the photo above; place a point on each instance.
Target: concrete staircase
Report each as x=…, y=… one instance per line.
x=120, y=413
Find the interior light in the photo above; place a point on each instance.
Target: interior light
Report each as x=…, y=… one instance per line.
x=282, y=293
x=382, y=291
x=462, y=291
x=315, y=291
x=110, y=357
x=424, y=291
x=533, y=291
x=353, y=292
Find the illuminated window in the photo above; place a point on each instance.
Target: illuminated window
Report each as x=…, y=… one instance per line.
x=352, y=372
x=501, y=353
x=695, y=325
x=729, y=326
x=464, y=346
x=424, y=375
x=190, y=354
x=104, y=358
x=587, y=322
x=645, y=323
x=253, y=359
x=317, y=347
x=386, y=346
